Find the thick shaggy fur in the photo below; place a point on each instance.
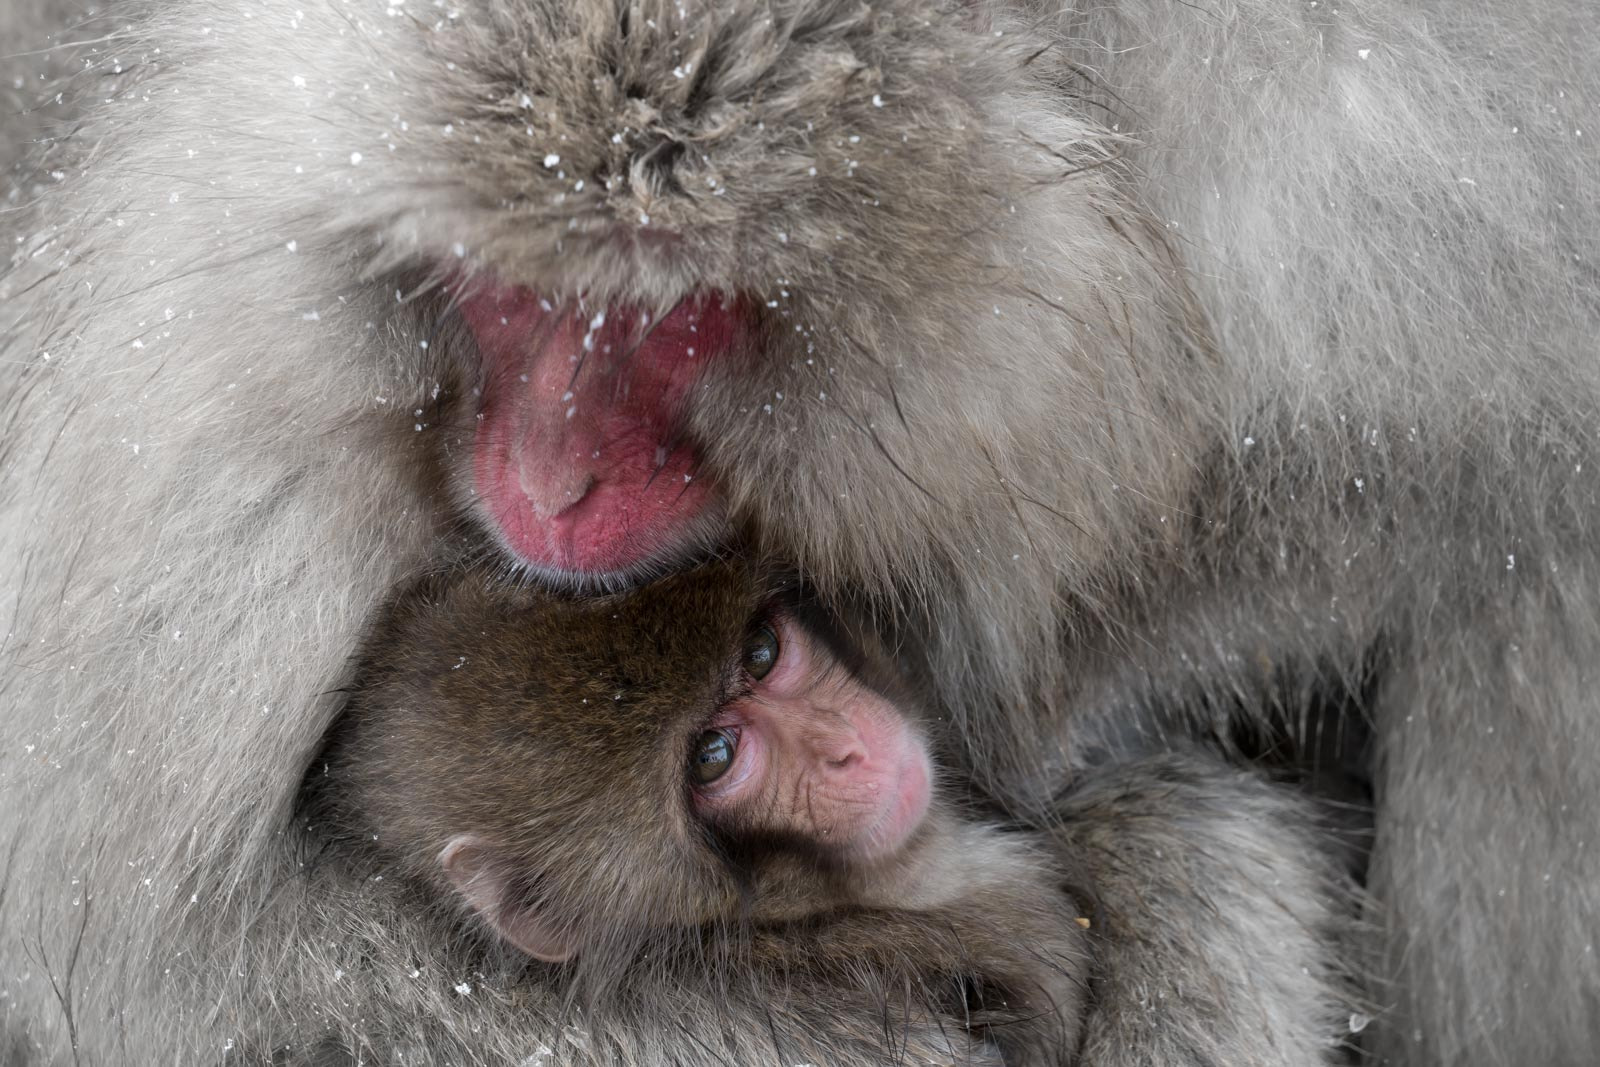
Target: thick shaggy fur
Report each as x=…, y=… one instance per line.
x=1125, y=358
x=555, y=732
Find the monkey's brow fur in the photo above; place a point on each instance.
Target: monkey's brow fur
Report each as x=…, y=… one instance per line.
x=1121, y=358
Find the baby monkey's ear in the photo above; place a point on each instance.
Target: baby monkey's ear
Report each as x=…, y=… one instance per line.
x=484, y=878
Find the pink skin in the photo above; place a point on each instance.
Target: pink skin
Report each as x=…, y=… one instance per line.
x=478, y=871
x=577, y=462
x=819, y=754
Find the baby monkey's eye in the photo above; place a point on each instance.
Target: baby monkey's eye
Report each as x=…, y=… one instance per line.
x=713, y=755
x=761, y=653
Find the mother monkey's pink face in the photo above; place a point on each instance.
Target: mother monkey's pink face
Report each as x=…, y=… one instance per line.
x=682, y=247
x=580, y=461
x=825, y=288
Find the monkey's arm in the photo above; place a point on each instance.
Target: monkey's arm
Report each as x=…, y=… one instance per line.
x=362, y=945
x=1219, y=924
x=1484, y=856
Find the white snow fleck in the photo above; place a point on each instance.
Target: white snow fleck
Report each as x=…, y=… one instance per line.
x=464, y=988
x=293, y=246
x=1363, y=53
x=355, y=159
x=551, y=160
x=877, y=101
x=299, y=81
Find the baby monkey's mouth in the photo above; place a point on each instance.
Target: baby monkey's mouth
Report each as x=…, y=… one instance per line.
x=580, y=464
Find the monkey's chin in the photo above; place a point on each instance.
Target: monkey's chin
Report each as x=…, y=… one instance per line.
x=618, y=525
x=904, y=811
x=631, y=565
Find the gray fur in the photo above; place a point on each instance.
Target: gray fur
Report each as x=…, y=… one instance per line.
x=1221, y=925
x=38, y=41
x=1155, y=350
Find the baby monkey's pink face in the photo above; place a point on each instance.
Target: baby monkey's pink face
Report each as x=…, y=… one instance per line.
x=808, y=750
x=585, y=771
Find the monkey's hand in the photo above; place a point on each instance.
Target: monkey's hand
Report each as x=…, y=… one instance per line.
x=997, y=977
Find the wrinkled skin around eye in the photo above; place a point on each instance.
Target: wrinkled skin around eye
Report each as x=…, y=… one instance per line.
x=817, y=754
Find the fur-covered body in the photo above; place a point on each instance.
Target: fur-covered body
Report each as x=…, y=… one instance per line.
x=545, y=737
x=1145, y=355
